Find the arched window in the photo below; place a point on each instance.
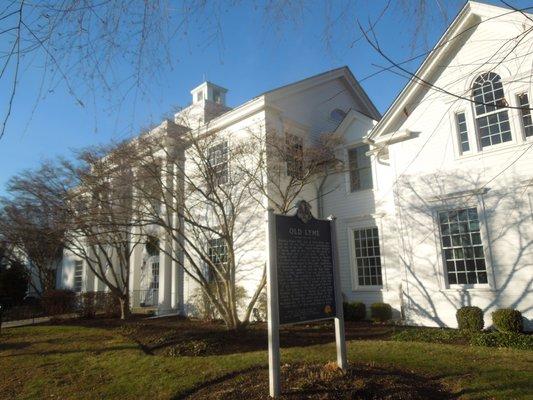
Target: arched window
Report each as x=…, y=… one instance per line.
x=337, y=115
x=492, y=119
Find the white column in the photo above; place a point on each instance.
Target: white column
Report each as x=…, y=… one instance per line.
x=165, y=267
x=134, y=278
x=165, y=260
x=175, y=286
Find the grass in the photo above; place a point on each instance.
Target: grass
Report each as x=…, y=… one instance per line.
x=72, y=362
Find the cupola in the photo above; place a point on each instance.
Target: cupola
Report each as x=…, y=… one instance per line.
x=210, y=92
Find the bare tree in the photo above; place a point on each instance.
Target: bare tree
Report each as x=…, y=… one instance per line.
x=288, y=166
x=205, y=195
x=31, y=224
x=116, y=50
x=99, y=217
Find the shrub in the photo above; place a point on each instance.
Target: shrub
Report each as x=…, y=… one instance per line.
x=13, y=285
x=429, y=335
x=107, y=304
x=86, y=305
x=91, y=303
x=470, y=319
x=57, y=302
x=508, y=320
x=381, y=312
x=354, y=311
x=503, y=339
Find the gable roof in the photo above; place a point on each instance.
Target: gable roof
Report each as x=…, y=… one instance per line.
x=265, y=99
x=467, y=19
x=344, y=73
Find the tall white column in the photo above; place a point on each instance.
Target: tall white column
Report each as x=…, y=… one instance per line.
x=177, y=254
x=165, y=275
x=165, y=259
x=135, y=274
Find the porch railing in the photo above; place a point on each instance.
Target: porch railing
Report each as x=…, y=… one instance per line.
x=145, y=298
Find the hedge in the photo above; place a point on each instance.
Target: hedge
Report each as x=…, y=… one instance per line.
x=470, y=319
x=519, y=341
x=508, y=320
x=381, y=312
x=91, y=303
x=57, y=302
x=355, y=311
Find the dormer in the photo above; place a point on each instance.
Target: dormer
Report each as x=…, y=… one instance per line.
x=210, y=92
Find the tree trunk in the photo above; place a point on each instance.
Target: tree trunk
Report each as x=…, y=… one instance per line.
x=124, y=307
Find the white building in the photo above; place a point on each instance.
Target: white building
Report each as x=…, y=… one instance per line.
x=435, y=207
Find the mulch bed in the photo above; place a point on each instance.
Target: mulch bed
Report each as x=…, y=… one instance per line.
x=315, y=381
x=175, y=336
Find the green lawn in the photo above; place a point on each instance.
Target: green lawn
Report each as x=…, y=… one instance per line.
x=67, y=362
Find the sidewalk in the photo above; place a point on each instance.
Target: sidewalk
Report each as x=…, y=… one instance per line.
x=24, y=322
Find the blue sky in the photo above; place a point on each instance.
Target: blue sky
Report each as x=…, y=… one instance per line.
x=250, y=57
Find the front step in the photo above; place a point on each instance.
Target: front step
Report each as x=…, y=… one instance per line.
x=144, y=310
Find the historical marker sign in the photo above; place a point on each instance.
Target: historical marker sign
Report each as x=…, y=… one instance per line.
x=303, y=282
x=306, y=290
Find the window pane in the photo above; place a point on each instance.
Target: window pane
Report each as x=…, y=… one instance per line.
x=462, y=252
x=492, y=122
x=155, y=275
x=78, y=275
x=360, y=168
x=294, y=155
x=367, y=260
x=218, y=255
x=218, y=161
x=462, y=132
x=527, y=123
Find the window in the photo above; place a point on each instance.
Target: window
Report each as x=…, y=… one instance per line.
x=218, y=160
x=462, y=247
x=523, y=101
x=492, y=122
x=78, y=275
x=367, y=257
x=360, y=168
x=337, y=115
x=218, y=255
x=154, y=266
x=462, y=132
x=199, y=96
x=295, y=155
x=217, y=98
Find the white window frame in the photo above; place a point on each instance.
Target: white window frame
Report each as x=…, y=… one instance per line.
x=518, y=115
x=468, y=200
x=455, y=129
x=154, y=283
x=81, y=276
x=366, y=223
x=471, y=131
x=211, y=246
x=475, y=116
x=289, y=136
x=347, y=149
x=221, y=142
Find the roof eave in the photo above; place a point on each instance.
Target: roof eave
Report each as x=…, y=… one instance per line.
x=425, y=68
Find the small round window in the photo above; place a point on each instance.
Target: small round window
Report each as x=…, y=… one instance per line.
x=337, y=115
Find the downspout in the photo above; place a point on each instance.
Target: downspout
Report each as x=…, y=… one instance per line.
x=319, y=201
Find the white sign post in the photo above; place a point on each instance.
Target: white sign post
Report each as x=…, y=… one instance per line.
x=340, y=339
x=315, y=233
x=273, y=310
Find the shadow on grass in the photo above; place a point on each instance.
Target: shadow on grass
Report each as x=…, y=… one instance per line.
x=14, y=346
x=61, y=352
